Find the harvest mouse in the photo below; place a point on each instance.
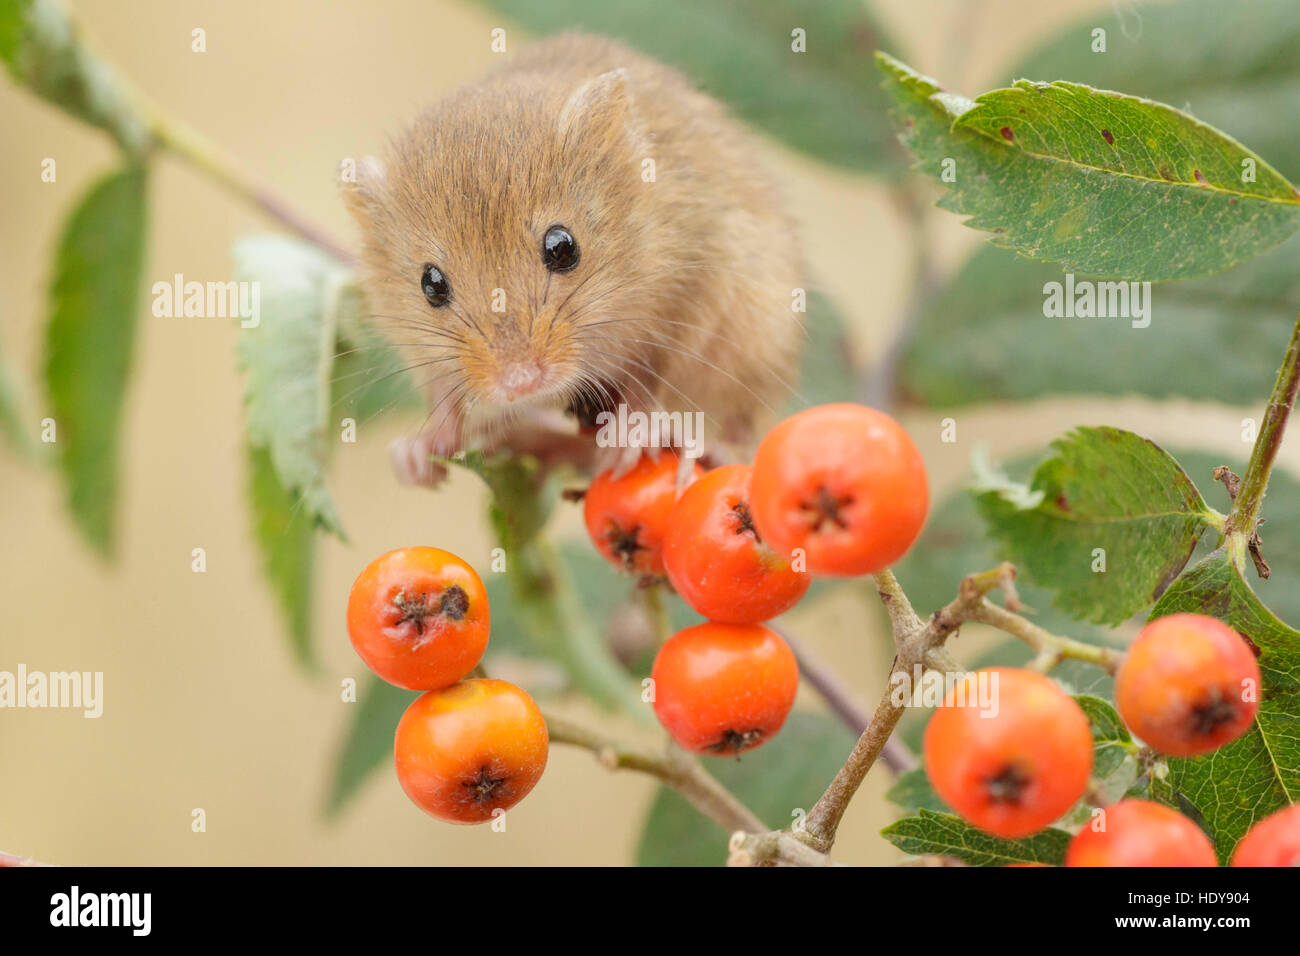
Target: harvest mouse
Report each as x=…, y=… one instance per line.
x=577, y=230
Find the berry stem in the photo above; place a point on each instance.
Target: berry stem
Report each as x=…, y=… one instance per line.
x=1051, y=648
x=552, y=611
x=190, y=146
x=1244, y=517
x=823, y=820
x=673, y=767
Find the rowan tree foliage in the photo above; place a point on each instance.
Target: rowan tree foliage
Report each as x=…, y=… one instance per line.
x=1150, y=174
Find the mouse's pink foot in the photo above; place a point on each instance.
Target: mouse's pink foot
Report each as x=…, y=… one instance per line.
x=413, y=460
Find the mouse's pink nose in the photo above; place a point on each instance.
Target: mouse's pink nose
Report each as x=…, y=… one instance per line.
x=520, y=378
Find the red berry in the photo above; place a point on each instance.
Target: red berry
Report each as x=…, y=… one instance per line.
x=1010, y=758
x=845, y=484
x=470, y=749
x=724, y=688
x=715, y=559
x=1273, y=841
x=1140, y=833
x=419, y=618
x=1189, y=684
x=627, y=517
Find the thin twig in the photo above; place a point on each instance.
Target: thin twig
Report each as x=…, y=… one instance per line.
x=190, y=146
x=1243, y=521
x=679, y=771
x=775, y=848
x=824, y=819
x=1051, y=648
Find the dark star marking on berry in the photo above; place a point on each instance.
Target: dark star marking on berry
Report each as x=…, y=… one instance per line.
x=733, y=742
x=1008, y=785
x=486, y=787
x=744, y=520
x=1212, y=713
x=827, y=507
x=454, y=602
x=414, y=610
x=626, y=544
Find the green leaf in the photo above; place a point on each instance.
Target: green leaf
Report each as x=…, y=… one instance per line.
x=1110, y=738
x=912, y=792
x=542, y=585
x=369, y=741
x=13, y=15
x=947, y=835
x=41, y=49
x=985, y=337
x=518, y=507
x=1259, y=773
x=784, y=775
x=822, y=101
x=288, y=358
x=1233, y=65
x=1104, y=488
x=286, y=541
x=94, y=298
x=1105, y=184
x=956, y=543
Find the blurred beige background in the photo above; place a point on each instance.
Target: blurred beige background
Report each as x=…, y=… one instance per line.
x=203, y=707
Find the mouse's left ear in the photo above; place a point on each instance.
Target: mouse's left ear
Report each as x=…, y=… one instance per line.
x=363, y=182
x=601, y=112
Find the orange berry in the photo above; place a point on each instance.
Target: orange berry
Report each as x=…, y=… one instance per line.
x=722, y=689
x=470, y=749
x=1140, y=833
x=715, y=559
x=419, y=618
x=1273, y=841
x=1188, y=685
x=1013, y=762
x=627, y=517
x=845, y=484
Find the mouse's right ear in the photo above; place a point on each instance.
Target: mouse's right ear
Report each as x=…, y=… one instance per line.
x=363, y=185
x=600, y=111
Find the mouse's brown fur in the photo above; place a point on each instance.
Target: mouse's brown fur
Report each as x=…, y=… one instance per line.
x=682, y=297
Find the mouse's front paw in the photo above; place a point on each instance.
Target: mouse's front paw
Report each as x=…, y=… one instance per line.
x=413, y=460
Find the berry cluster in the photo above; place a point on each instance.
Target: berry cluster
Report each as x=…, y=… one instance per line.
x=465, y=749
x=834, y=490
x=1188, y=685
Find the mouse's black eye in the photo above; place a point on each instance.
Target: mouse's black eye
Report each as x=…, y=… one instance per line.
x=435, y=286
x=559, y=249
